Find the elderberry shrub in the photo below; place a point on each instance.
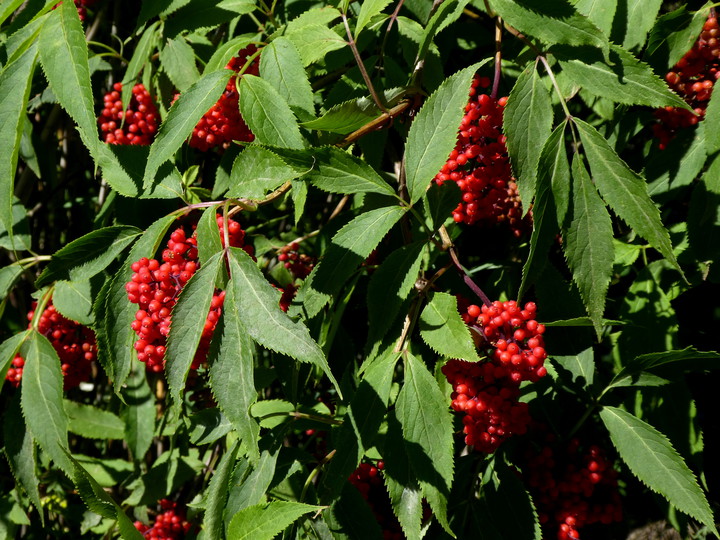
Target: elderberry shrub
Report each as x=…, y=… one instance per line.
x=73, y=342
x=693, y=78
x=155, y=287
x=480, y=166
x=223, y=123
x=137, y=125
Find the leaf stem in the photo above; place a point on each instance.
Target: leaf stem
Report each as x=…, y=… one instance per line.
x=314, y=473
x=448, y=244
x=361, y=66
x=376, y=123
x=498, y=57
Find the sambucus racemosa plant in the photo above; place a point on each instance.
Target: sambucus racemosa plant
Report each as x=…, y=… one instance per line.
x=358, y=269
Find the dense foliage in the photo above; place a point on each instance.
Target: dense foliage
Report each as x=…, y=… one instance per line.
x=358, y=269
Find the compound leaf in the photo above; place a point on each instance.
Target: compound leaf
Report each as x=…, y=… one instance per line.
x=442, y=328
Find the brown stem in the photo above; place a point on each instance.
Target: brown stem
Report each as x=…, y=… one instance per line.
x=377, y=123
x=498, y=57
x=447, y=242
x=361, y=66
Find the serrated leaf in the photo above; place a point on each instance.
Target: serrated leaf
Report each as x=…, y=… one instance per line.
x=257, y=171
x=231, y=362
x=120, y=313
x=588, y=244
x=42, y=398
x=217, y=493
x=581, y=366
x=427, y=427
x=551, y=22
x=88, y=255
x=314, y=41
x=433, y=133
x=8, y=277
x=551, y=203
x=282, y=67
x=368, y=10
x=99, y=501
x=139, y=412
x=93, y=423
x=208, y=235
x=267, y=114
x=20, y=452
x=15, y=88
x=265, y=321
x=600, y=12
x=652, y=458
x=360, y=425
x=679, y=164
x=182, y=118
x=251, y=489
x=350, y=246
x=406, y=501
x=442, y=15
x=628, y=80
x=442, y=328
x=188, y=321
x=389, y=286
x=640, y=17
x=265, y=521
x=625, y=191
x=74, y=300
x=140, y=57
x=225, y=52
x=64, y=58
x=527, y=123
x=177, y=59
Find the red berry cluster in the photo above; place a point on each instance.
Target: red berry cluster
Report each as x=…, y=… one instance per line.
x=488, y=392
x=81, y=6
x=299, y=264
x=141, y=118
x=480, y=165
x=368, y=482
x=73, y=342
x=572, y=487
x=693, y=78
x=223, y=123
x=171, y=524
x=155, y=287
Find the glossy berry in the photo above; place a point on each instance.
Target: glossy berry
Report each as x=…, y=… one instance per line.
x=480, y=166
x=223, y=123
x=141, y=119
x=368, y=480
x=693, y=78
x=170, y=524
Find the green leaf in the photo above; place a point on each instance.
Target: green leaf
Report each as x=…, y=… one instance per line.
x=88, y=255
x=588, y=244
x=368, y=10
x=581, y=366
x=93, y=423
x=360, y=425
x=527, y=122
x=208, y=425
x=442, y=328
x=231, y=362
x=42, y=398
x=688, y=359
x=337, y=171
x=74, y=300
x=267, y=114
x=208, y=235
x=257, y=171
x=266, y=323
x=445, y=13
x=265, y=521
x=225, y=52
x=651, y=457
x=217, y=493
x=18, y=238
x=8, y=277
x=640, y=17
x=679, y=164
x=282, y=67
x=140, y=57
x=351, y=115
x=99, y=501
x=314, y=41
x=551, y=22
x=627, y=80
x=350, y=246
x=712, y=117
x=139, y=412
x=600, y=12
x=625, y=191
x=119, y=313
x=427, y=427
x=389, y=286
x=551, y=203
x=188, y=321
x=182, y=118
x=20, y=452
x=251, y=489
x=177, y=59
x=9, y=348
x=15, y=88
x=673, y=35
x=64, y=58
x=433, y=134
